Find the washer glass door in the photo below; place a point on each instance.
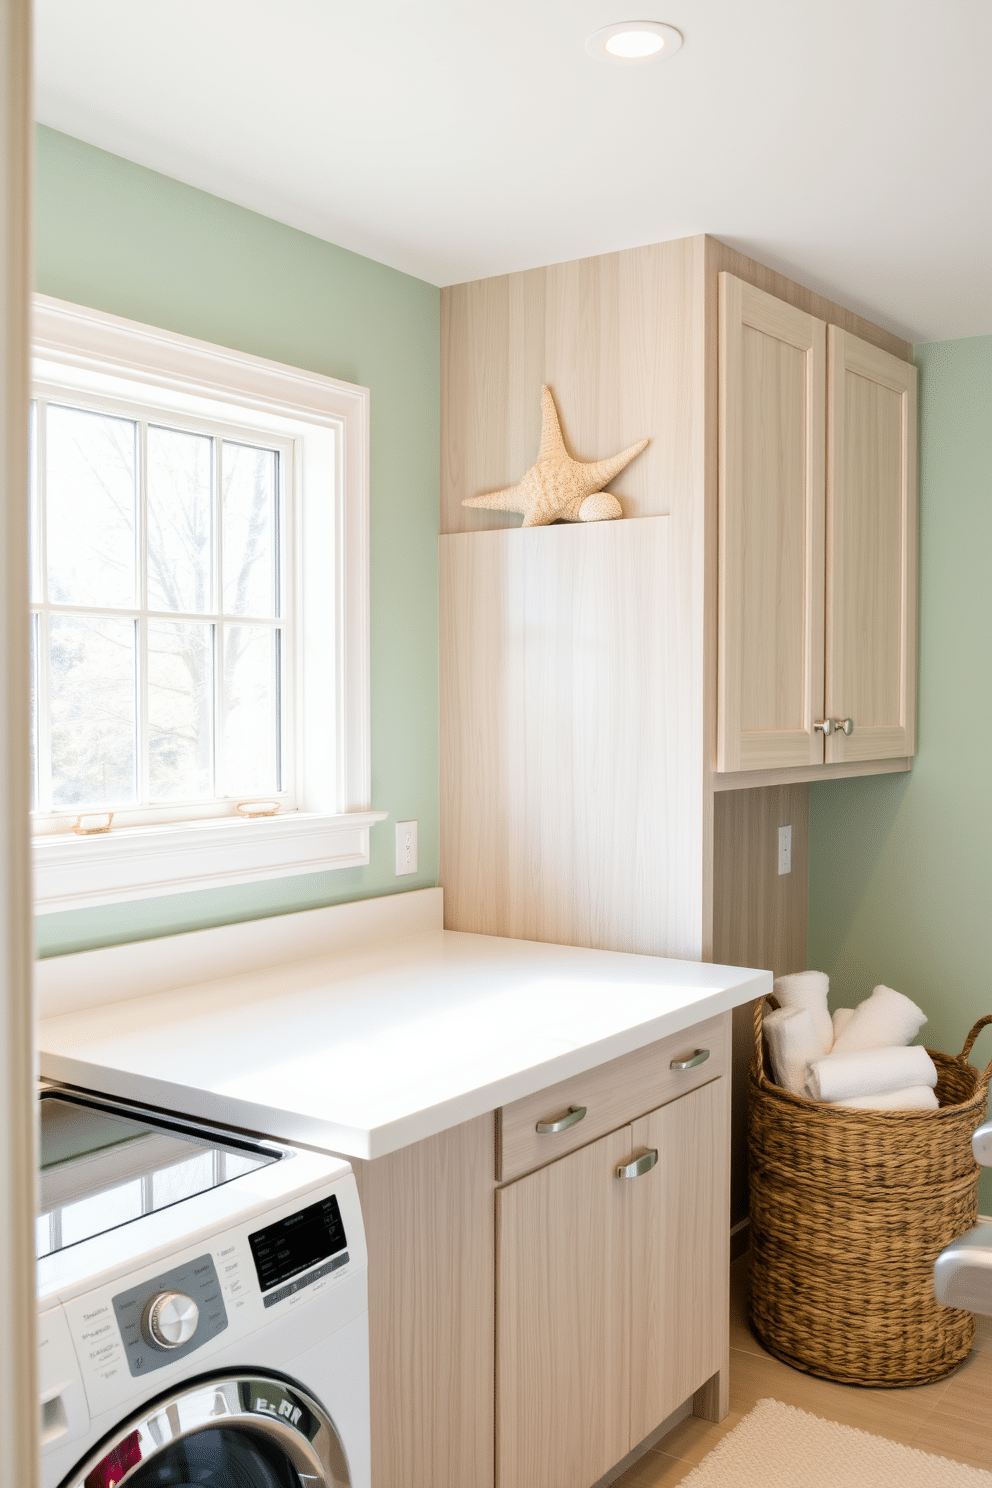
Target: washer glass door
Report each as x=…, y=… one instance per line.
x=235, y=1431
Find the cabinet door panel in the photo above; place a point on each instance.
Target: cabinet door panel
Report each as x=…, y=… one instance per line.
x=680, y=1254
x=772, y=397
x=562, y=1320
x=871, y=550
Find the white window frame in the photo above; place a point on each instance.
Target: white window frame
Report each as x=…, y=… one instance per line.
x=100, y=356
x=54, y=819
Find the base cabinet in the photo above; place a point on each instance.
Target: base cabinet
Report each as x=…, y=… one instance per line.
x=538, y=1350
x=611, y=1292
x=680, y=1256
x=563, y=1320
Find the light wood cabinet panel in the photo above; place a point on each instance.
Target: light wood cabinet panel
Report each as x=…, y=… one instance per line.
x=611, y=1093
x=871, y=550
x=680, y=1254
x=562, y=1320
x=566, y=809
x=614, y=338
x=771, y=504
x=428, y=1213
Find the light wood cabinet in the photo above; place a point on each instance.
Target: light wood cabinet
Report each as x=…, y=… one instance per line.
x=871, y=550
x=540, y=1331
x=772, y=408
x=563, y=1320
x=628, y=708
x=817, y=540
x=611, y=1293
x=680, y=1261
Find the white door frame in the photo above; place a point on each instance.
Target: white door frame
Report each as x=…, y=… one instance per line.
x=18, y=1102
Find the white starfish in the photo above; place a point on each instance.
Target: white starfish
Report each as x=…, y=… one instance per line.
x=556, y=487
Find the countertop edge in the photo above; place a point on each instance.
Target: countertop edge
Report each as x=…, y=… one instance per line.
x=342, y=1139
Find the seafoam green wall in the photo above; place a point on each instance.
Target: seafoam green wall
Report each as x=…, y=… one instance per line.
x=900, y=883
x=115, y=236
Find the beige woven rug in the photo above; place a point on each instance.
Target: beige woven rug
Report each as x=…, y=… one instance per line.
x=778, y=1446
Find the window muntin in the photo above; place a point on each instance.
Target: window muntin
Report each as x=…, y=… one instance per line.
x=162, y=607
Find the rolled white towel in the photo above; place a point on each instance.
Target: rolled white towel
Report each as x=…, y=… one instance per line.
x=847, y=1077
x=912, y=1098
x=841, y=1018
x=808, y=990
x=883, y=1019
x=792, y=1043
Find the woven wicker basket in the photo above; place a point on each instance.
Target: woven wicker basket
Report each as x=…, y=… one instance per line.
x=849, y=1211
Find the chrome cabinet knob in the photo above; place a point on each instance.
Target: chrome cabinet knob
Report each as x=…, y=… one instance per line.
x=828, y=726
x=170, y=1320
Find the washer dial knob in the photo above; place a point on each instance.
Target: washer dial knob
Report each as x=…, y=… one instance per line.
x=171, y=1319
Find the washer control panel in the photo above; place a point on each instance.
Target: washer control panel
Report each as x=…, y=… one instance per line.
x=168, y=1316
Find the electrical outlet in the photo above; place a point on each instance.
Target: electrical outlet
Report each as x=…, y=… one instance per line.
x=784, y=850
x=406, y=847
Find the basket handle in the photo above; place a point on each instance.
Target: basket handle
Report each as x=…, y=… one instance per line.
x=759, y=1048
x=969, y=1041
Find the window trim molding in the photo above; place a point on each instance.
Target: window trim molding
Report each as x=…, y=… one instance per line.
x=330, y=828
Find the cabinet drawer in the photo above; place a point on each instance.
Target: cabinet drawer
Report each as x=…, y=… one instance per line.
x=612, y=1094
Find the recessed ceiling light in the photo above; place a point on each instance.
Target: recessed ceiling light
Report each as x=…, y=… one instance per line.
x=634, y=41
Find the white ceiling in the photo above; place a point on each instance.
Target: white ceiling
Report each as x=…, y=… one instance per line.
x=847, y=143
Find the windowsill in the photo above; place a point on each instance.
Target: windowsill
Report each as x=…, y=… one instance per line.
x=72, y=872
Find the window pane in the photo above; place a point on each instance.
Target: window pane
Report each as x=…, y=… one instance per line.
x=179, y=520
x=91, y=667
x=90, y=466
x=251, y=710
x=180, y=710
x=250, y=537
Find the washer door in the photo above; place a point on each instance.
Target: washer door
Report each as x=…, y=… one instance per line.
x=228, y=1431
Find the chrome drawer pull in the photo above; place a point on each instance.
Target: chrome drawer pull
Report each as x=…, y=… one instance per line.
x=572, y=1117
x=699, y=1057
x=639, y=1165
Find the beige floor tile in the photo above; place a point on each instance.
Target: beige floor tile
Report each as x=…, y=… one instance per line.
x=983, y=1335
x=741, y=1336
x=692, y=1438
x=654, y=1470
x=896, y=1414
x=951, y=1436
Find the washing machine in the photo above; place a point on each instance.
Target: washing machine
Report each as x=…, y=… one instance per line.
x=202, y=1305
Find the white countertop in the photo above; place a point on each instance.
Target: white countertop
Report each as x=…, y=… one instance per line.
x=364, y=1051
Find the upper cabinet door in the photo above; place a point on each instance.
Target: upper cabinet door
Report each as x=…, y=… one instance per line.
x=871, y=551
x=772, y=403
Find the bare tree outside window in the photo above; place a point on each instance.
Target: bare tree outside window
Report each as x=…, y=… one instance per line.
x=157, y=639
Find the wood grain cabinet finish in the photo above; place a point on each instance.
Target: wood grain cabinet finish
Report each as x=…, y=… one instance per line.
x=680, y=1255
x=871, y=550
x=817, y=540
x=609, y=1094
x=563, y=1320
x=611, y=1294
x=771, y=521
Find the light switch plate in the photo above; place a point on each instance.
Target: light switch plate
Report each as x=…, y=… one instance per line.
x=784, y=850
x=406, y=848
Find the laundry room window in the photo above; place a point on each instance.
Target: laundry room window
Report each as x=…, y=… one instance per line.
x=161, y=637
x=199, y=614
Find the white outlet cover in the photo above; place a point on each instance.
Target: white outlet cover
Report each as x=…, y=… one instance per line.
x=784, y=850
x=406, y=848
